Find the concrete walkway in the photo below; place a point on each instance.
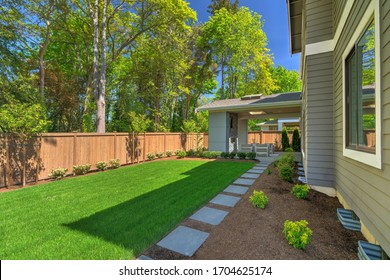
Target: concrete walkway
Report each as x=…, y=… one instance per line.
x=185, y=240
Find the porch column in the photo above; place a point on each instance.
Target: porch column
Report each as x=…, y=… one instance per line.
x=242, y=132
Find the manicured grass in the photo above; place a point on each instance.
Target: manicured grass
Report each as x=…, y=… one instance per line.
x=114, y=214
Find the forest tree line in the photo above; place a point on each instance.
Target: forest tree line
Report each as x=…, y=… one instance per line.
x=109, y=65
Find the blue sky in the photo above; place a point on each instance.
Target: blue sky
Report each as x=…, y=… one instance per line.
x=274, y=13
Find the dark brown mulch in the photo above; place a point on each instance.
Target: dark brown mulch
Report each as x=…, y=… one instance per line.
x=250, y=233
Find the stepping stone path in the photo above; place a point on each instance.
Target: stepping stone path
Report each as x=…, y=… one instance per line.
x=185, y=240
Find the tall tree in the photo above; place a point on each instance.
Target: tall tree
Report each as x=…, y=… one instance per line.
x=286, y=80
x=219, y=4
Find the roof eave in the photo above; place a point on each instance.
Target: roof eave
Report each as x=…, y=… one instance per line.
x=294, y=30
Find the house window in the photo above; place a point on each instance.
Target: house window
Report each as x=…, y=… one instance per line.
x=360, y=93
x=362, y=114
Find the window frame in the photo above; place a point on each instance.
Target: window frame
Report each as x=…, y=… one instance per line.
x=366, y=156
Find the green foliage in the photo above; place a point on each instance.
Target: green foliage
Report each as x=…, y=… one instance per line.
x=139, y=122
x=168, y=153
x=286, y=159
x=58, y=173
x=176, y=152
x=232, y=155
x=241, y=155
x=301, y=191
x=286, y=172
x=251, y=155
x=114, y=163
x=224, y=155
x=81, y=169
x=285, y=139
x=252, y=124
x=159, y=154
x=286, y=80
x=191, y=153
x=211, y=154
x=150, y=156
x=297, y=233
x=101, y=165
x=258, y=199
x=289, y=150
x=181, y=154
x=296, y=141
x=268, y=171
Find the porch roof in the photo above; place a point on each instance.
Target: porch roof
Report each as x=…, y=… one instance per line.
x=279, y=104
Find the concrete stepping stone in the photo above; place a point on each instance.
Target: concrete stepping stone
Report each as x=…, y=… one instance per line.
x=245, y=182
x=209, y=216
x=144, y=258
x=236, y=189
x=301, y=173
x=184, y=240
x=250, y=176
x=262, y=165
x=259, y=168
x=255, y=171
x=225, y=200
x=300, y=169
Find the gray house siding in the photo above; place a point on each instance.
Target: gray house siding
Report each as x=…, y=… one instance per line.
x=364, y=188
x=318, y=104
x=218, y=131
x=319, y=18
x=338, y=7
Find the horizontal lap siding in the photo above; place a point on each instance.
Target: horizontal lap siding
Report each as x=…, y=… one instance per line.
x=364, y=188
x=319, y=17
x=338, y=7
x=319, y=123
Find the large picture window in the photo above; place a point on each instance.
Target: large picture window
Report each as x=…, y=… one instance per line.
x=360, y=93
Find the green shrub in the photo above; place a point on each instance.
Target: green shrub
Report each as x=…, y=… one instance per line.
x=258, y=199
x=150, y=156
x=191, y=153
x=215, y=154
x=286, y=172
x=181, y=154
x=232, y=155
x=168, y=153
x=225, y=155
x=114, y=163
x=301, y=191
x=241, y=155
x=289, y=150
x=268, y=171
x=296, y=141
x=159, y=155
x=58, y=173
x=81, y=169
x=285, y=159
x=251, y=155
x=297, y=233
x=285, y=140
x=101, y=165
x=176, y=152
x=199, y=153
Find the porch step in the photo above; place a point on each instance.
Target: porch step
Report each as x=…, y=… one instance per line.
x=348, y=219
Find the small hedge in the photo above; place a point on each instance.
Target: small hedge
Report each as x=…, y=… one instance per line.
x=297, y=233
x=241, y=155
x=232, y=155
x=114, y=163
x=301, y=191
x=168, y=153
x=181, y=154
x=150, y=156
x=58, y=173
x=81, y=169
x=101, y=165
x=258, y=199
x=286, y=172
x=251, y=155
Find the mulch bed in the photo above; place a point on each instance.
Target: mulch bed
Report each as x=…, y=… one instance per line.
x=250, y=233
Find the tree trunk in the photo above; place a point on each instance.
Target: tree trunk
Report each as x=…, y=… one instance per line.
x=101, y=100
x=223, y=77
x=42, y=51
x=95, y=20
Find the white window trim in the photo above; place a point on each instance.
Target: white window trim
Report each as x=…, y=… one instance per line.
x=374, y=160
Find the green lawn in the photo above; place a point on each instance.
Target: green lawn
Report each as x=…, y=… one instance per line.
x=114, y=214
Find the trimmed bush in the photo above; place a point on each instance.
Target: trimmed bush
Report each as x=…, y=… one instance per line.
x=224, y=155
x=285, y=159
x=241, y=155
x=258, y=199
x=176, y=152
x=58, y=173
x=269, y=172
x=199, y=153
x=114, y=163
x=232, y=155
x=251, y=155
x=81, y=169
x=286, y=172
x=191, y=153
x=168, y=153
x=301, y=191
x=211, y=154
x=150, y=156
x=296, y=141
x=285, y=140
x=159, y=154
x=297, y=233
x=289, y=150
x=101, y=165
x=181, y=154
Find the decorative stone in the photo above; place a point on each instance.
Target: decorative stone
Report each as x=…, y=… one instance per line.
x=225, y=200
x=236, y=189
x=209, y=215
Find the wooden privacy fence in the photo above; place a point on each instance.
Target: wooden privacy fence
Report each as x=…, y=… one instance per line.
x=264, y=137
x=53, y=150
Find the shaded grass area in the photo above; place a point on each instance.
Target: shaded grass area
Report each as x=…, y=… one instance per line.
x=109, y=215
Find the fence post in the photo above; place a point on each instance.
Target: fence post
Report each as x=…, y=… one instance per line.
x=7, y=180
x=165, y=139
x=261, y=137
x=132, y=147
x=144, y=146
x=74, y=148
x=115, y=145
